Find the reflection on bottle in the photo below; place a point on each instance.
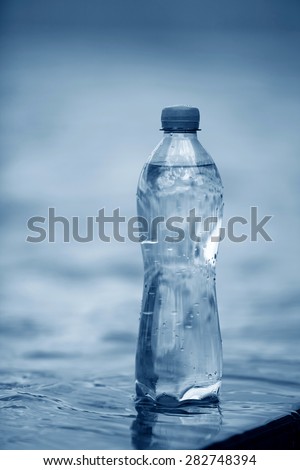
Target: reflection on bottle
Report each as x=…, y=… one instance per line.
x=183, y=428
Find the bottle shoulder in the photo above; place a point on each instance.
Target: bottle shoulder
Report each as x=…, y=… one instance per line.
x=180, y=150
x=182, y=161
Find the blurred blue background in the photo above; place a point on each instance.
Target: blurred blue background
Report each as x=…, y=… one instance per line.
x=82, y=87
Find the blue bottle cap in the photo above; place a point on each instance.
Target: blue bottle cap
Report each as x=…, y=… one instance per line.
x=180, y=118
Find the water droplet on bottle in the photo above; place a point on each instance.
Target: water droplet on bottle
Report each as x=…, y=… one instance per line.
x=209, y=376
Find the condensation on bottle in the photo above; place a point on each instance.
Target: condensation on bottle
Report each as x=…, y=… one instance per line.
x=180, y=198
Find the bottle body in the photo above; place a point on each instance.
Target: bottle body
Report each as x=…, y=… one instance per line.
x=179, y=353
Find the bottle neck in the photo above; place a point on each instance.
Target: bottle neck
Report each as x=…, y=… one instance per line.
x=181, y=134
x=180, y=138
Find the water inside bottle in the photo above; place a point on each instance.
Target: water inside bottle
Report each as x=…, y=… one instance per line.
x=179, y=354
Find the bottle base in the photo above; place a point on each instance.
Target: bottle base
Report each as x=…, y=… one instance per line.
x=195, y=395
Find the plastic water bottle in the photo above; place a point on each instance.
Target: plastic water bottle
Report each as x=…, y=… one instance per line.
x=179, y=352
